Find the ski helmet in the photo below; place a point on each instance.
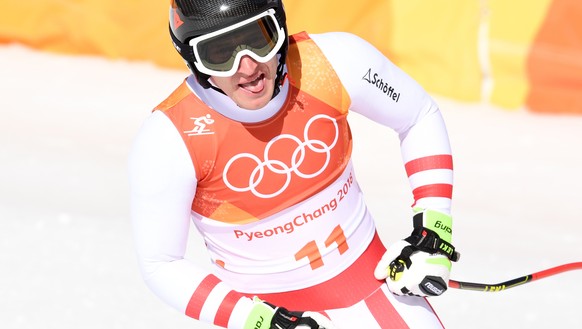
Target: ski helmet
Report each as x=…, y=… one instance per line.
x=198, y=27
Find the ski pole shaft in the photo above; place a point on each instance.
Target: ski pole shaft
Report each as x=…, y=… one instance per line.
x=485, y=287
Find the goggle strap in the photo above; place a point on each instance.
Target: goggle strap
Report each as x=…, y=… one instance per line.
x=188, y=53
x=280, y=79
x=184, y=49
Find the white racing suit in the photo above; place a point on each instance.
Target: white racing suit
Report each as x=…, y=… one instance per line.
x=274, y=194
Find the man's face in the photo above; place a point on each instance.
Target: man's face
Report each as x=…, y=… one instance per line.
x=252, y=86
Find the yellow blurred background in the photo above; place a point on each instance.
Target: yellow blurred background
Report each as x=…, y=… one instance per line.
x=514, y=54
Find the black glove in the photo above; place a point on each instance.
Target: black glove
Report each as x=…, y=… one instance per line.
x=420, y=265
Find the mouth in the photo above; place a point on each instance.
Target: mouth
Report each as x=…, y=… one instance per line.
x=255, y=86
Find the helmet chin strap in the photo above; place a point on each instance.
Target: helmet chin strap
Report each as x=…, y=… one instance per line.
x=280, y=80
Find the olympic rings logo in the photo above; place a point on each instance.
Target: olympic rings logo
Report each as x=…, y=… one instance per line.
x=279, y=167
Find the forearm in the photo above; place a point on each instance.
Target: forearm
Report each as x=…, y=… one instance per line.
x=193, y=291
x=162, y=186
x=428, y=161
x=413, y=114
x=161, y=239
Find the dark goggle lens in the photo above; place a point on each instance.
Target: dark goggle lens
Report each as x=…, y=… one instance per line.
x=219, y=52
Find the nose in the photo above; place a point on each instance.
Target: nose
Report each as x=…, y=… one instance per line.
x=247, y=66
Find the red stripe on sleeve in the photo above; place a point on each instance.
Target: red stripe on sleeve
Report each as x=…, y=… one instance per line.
x=443, y=161
x=200, y=295
x=226, y=307
x=433, y=190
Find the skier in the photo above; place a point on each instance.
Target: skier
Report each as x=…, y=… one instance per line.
x=268, y=179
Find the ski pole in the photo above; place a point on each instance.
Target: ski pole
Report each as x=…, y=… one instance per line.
x=485, y=287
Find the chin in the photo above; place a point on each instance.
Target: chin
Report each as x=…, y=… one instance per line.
x=254, y=103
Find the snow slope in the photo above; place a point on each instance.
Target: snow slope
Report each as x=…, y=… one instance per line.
x=66, y=255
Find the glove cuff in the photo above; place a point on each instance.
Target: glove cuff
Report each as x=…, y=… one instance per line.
x=266, y=315
x=433, y=233
x=428, y=241
x=436, y=221
x=260, y=316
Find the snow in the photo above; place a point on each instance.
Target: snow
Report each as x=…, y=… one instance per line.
x=66, y=253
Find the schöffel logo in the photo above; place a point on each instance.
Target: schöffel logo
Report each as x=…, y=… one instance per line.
x=383, y=86
x=304, y=153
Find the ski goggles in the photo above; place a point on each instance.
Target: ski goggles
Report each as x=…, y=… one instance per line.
x=219, y=53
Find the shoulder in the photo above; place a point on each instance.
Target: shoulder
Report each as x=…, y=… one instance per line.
x=179, y=94
x=157, y=150
x=350, y=56
x=338, y=40
x=347, y=51
x=343, y=45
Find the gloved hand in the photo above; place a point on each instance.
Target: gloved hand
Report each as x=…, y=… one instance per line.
x=420, y=265
x=265, y=315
